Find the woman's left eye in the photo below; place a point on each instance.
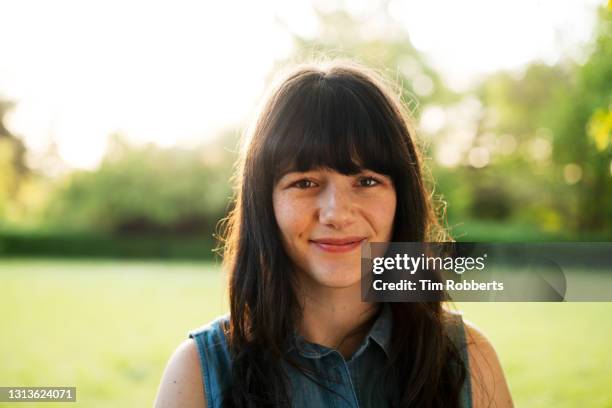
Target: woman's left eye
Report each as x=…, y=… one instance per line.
x=368, y=182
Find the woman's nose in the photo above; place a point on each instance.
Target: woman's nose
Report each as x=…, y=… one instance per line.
x=335, y=207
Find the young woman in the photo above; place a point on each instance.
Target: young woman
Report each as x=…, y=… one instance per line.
x=329, y=163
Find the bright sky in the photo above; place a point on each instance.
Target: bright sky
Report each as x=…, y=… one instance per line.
x=178, y=71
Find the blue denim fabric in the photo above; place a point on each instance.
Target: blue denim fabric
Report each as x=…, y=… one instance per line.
x=356, y=382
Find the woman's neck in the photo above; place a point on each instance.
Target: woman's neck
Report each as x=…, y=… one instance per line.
x=336, y=318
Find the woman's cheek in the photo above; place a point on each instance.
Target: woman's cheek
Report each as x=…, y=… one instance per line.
x=384, y=212
x=290, y=215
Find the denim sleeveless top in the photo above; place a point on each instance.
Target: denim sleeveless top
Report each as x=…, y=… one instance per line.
x=354, y=381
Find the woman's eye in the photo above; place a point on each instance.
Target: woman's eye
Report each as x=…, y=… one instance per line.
x=303, y=184
x=368, y=182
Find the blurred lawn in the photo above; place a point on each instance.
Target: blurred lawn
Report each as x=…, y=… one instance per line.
x=108, y=328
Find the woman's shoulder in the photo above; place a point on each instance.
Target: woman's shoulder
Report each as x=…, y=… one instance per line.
x=181, y=383
x=211, y=343
x=187, y=380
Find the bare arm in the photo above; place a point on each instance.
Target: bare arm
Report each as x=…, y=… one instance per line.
x=489, y=386
x=181, y=383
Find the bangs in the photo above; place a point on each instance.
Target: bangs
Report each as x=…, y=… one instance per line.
x=332, y=125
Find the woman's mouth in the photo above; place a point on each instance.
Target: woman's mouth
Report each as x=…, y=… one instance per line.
x=338, y=244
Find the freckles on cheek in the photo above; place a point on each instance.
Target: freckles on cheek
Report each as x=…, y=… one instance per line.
x=291, y=219
x=284, y=211
x=384, y=211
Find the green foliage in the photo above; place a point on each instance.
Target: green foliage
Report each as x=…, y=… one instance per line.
x=581, y=120
x=558, y=174
x=600, y=128
x=147, y=189
x=14, y=173
x=99, y=245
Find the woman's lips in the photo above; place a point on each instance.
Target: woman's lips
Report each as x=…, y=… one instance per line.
x=338, y=245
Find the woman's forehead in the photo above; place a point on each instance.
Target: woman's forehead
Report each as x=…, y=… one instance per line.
x=356, y=167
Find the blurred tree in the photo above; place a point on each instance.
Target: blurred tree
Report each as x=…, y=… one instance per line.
x=522, y=101
x=582, y=132
x=13, y=168
x=557, y=120
x=516, y=127
x=147, y=189
x=378, y=41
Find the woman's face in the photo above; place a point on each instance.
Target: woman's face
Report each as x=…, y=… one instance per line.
x=324, y=216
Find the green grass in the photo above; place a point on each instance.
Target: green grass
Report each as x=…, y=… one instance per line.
x=553, y=354
x=109, y=327
x=105, y=327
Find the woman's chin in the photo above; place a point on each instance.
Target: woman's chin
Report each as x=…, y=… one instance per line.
x=337, y=279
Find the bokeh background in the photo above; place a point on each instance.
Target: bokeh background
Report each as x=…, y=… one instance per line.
x=119, y=124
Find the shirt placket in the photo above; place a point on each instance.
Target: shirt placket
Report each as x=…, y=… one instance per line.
x=345, y=387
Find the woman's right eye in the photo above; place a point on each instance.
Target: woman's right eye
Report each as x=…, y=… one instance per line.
x=303, y=184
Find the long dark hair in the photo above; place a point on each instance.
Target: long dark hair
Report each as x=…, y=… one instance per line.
x=340, y=116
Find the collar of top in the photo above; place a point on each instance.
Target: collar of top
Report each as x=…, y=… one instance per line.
x=380, y=332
